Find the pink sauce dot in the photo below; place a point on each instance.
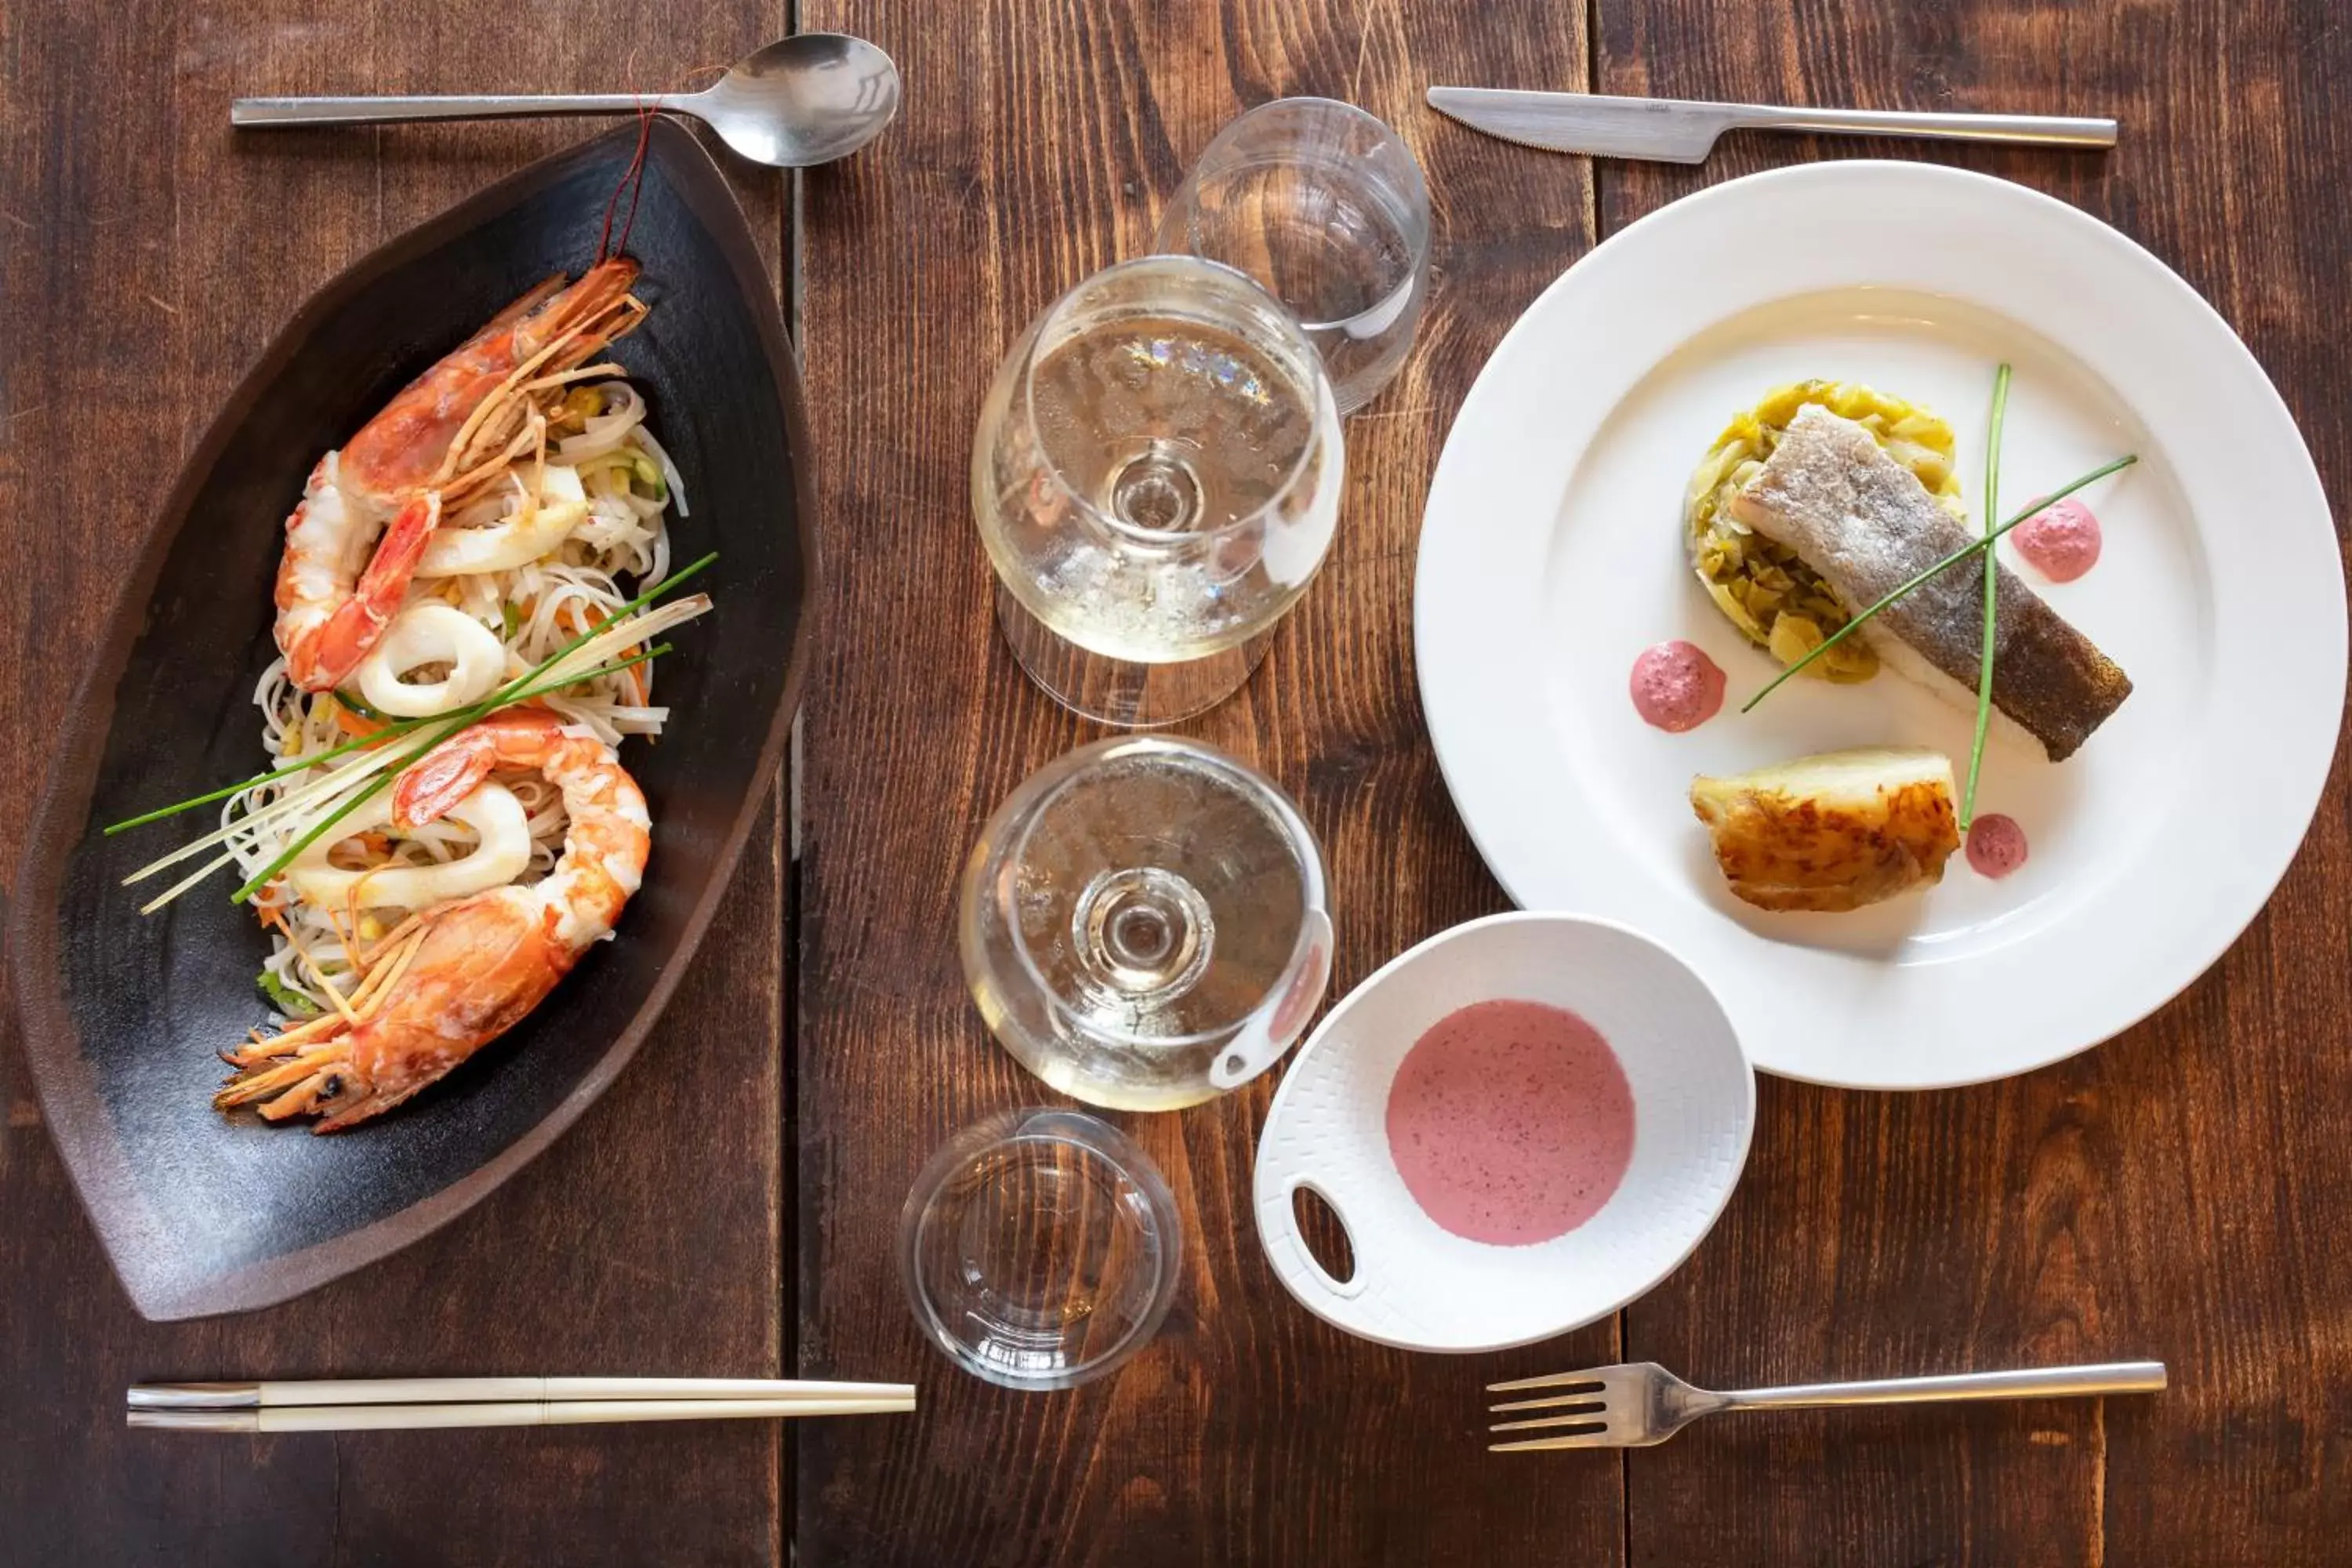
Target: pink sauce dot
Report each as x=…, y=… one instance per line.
x=2060, y=541
x=1996, y=846
x=1676, y=687
x=1511, y=1122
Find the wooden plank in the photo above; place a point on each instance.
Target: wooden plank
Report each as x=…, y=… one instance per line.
x=149, y=254
x=2174, y=1194
x=1036, y=140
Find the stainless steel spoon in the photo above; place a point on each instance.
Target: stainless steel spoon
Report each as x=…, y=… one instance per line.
x=803, y=100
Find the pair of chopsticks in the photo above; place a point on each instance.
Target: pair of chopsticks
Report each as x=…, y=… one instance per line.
x=395, y=1403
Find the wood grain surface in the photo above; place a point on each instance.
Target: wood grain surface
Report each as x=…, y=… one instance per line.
x=1036, y=144
x=146, y=254
x=731, y=1207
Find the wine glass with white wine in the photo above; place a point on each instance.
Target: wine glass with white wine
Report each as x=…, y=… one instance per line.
x=1156, y=476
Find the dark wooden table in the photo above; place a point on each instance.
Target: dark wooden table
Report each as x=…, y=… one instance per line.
x=730, y=1207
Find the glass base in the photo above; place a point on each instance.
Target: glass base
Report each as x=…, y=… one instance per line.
x=1125, y=692
x=1144, y=923
x=1040, y=1248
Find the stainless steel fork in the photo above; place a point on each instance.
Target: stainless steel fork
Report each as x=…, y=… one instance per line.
x=1641, y=1404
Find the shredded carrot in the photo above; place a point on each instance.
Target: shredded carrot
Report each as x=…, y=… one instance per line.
x=348, y=722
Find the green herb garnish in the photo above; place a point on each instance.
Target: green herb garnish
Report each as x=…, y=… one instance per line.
x=513, y=692
x=1991, y=588
x=370, y=777
x=452, y=724
x=293, y=1004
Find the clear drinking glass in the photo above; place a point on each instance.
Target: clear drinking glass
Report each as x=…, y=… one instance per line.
x=1040, y=1248
x=1156, y=475
x=1324, y=205
x=1144, y=923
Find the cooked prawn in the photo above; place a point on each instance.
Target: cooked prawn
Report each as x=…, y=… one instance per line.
x=454, y=978
x=448, y=432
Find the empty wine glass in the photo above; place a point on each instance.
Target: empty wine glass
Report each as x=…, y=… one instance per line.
x=1324, y=205
x=1156, y=476
x=1144, y=923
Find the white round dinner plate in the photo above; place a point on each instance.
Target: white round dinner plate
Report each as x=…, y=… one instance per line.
x=1552, y=554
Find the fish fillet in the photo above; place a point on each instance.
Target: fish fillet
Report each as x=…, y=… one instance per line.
x=1866, y=525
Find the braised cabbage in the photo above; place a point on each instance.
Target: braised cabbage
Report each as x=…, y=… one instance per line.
x=1769, y=593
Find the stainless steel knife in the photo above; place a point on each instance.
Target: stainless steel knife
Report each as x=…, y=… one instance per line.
x=1675, y=131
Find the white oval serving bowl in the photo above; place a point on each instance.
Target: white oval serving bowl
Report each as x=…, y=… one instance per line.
x=1419, y=1287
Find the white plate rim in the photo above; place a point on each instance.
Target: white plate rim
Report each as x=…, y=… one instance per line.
x=1505, y=467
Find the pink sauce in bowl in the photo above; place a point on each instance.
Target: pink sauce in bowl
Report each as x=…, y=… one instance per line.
x=2060, y=541
x=1676, y=687
x=1511, y=1122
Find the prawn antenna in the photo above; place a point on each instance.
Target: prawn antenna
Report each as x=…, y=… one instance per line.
x=632, y=180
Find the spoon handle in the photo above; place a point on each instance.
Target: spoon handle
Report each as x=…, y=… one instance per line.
x=265, y=111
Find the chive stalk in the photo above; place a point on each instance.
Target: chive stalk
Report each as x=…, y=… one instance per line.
x=504, y=697
x=454, y=724
x=1991, y=594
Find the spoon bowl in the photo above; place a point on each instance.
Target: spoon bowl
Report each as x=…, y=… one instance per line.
x=800, y=101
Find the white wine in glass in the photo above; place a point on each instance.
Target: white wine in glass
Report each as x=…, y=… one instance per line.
x=1156, y=477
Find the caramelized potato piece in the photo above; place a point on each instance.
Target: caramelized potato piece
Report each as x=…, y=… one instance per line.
x=1833, y=832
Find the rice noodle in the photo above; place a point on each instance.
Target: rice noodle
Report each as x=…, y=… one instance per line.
x=619, y=548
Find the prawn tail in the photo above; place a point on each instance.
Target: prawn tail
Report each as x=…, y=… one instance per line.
x=325, y=654
x=438, y=781
x=385, y=581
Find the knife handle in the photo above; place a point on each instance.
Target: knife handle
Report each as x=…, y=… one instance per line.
x=2036, y=129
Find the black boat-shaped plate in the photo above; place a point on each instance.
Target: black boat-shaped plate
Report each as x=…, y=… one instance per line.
x=203, y=1213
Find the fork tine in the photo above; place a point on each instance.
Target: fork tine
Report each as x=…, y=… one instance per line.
x=1568, y=1381
x=1596, y=1437
x=1573, y=1401
x=1587, y=1417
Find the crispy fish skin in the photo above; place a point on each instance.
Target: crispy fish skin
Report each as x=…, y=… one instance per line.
x=1866, y=525
x=1830, y=833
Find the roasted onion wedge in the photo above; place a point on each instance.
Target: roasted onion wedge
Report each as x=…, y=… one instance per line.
x=1834, y=831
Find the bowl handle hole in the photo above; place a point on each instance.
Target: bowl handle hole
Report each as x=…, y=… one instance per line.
x=1323, y=1233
